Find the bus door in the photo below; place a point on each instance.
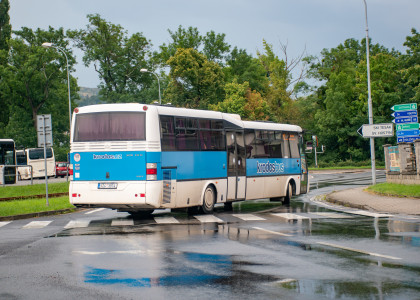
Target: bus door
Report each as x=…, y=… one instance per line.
x=236, y=165
x=304, y=167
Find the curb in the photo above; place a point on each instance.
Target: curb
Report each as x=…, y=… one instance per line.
x=39, y=214
x=344, y=203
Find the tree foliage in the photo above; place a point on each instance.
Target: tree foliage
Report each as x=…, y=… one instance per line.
x=116, y=57
x=34, y=81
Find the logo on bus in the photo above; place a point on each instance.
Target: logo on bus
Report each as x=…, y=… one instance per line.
x=77, y=157
x=107, y=156
x=270, y=168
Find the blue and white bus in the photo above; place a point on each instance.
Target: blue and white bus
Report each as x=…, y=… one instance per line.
x=137, y=158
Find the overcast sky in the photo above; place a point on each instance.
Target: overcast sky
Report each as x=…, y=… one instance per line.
x=314, y=24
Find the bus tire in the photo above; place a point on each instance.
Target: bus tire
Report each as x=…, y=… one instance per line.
x=289, y=193
x=209, y=199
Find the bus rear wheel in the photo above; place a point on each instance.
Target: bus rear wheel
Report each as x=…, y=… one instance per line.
x=289, y=194
x=209, y=199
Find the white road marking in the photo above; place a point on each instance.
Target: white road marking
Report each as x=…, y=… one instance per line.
x=132, y=252
x=94, y=211
x=358, y=251
x=36, y=224
x=367, y=213
x=4, y=223
x=290, y=216
x=77, y=224
x=272, y=232
x=208, y=219
x=122, y=222
x=248, y=217
x=332, y=215
x=166, y=220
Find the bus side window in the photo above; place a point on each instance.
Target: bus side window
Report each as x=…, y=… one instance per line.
x=261, y=144
x=250, y=143
x=286, y=149
x=168, y=133
x=294, y=146
x=276, y=145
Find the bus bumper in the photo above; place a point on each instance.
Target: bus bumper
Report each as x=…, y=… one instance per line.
x=123, y=195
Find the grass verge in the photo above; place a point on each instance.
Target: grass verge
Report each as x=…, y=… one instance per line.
x=20, y=207
x=31, y=190
x=396, y=190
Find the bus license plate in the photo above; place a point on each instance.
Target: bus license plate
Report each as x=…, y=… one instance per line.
x=107, y=185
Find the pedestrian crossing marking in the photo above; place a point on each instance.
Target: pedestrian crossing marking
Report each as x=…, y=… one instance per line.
x=122, y=222
x=290, y=216
x=77, y=224
x=332, y=215
x=367, y=213
x=208, y=219
x=166, y=220
x=94, y=211
x=4, y=223
x=36, y=224
x=248, y=217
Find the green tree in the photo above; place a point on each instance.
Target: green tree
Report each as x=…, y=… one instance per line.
x=5, y=27
x=5, y=34
x=211, y=44
x=116, y=57
x=241, y=100
x=242, y=67
x=34, y=81
x=411, y=68
x=195, y=82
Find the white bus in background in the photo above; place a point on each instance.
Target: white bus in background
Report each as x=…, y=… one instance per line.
x=35, y=157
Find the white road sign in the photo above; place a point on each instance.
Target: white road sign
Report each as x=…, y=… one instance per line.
x=378, y=130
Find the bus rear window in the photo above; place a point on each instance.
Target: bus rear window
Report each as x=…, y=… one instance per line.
x=110, y=126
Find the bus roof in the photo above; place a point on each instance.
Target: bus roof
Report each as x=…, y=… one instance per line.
x=188, y=112
x=271, y=126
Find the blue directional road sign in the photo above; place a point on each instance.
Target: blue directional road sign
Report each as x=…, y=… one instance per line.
x=407, y=139
x=407, y=113
x=408, y=133
x=406, y=120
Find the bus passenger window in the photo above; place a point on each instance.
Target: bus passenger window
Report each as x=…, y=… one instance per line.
x=261, y=144
x=294, y=146
x=168, y=133
x=275, y=146
x=286, y=150
x=250, y=143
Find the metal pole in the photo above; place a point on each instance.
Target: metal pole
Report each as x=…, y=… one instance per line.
x=45, y=161
x=68, y=83
x=372, y=140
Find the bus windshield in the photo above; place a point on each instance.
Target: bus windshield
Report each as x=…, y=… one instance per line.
x=39, y=153
x=110, y=126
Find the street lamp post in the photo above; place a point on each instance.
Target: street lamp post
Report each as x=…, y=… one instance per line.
x=370, y=110
x=147, y=71
x=51, y=45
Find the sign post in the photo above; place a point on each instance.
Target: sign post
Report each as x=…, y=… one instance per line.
x=44, y=128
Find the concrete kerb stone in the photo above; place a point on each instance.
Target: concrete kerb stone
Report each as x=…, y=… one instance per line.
x=39, y=214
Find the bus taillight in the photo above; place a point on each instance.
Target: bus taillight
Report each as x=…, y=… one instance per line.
x=151, y=171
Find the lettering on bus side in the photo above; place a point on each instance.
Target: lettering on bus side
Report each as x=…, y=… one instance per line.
x=269, y=168
x=107, y=156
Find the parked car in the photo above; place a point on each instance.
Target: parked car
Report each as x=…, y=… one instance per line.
x=61, y=169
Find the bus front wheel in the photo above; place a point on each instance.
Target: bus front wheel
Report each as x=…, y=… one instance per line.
x=208, y=200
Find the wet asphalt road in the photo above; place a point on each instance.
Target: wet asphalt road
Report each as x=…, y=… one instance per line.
x=260, y=250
